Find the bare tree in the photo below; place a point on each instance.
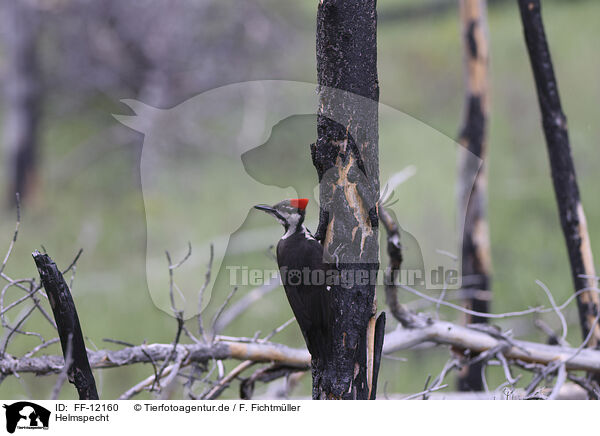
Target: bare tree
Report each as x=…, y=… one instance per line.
x=472, y=201
x=23, y=95
x=347, y=144
x=572, y=216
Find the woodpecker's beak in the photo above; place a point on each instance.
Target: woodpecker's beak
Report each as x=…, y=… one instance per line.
x=264, y=208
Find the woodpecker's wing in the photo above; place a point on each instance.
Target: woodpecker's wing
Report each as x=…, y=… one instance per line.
x=304, y=274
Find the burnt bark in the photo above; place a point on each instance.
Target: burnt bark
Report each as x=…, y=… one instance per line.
x=572, y=217
x=346, y=158
x=23, y=95
x=67, y=323
x=472, y=201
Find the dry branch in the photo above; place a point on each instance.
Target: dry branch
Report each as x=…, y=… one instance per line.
x=69, y=329
x=220, y=350
x=439, y=332
x=467, y=338
x=572, y=217
x=567, y=392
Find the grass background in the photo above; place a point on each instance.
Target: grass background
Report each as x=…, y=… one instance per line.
x=90, y=195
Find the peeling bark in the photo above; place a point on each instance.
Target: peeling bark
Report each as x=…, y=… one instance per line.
x=472, y=201
x=346, y=159
x=572, y=217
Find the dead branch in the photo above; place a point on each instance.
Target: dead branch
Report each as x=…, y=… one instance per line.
x=224, y=382
x=266, y=375
x=569, y=391
x=67, y=321
x=439, y=332
x=566, y=189
x=467, y=338
x=472, y=192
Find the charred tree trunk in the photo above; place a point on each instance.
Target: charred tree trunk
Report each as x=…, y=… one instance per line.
x=346, y=158
x=572, y=217
x=472, y=201
x=69, y=329
x=22, y=94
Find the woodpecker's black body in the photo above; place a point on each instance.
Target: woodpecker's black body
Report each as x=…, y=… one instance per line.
x=304, y=274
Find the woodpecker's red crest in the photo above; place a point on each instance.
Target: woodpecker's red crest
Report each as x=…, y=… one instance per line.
x=300, y=203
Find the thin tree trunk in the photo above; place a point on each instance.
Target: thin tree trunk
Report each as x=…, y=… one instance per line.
x=69, y=329
x=472, y=201
x=572, y=217
x=346, y=158
x=22, y=94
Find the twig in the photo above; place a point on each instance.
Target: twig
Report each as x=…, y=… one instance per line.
x=560, y=315
x=15, y=329
x=178, y=313
x=484, y=382
x=425, y=392
x=31, y=292
x=77, y=256
x=587, y=339
x=220, y=311
x=41, y=347
x=473, y=312
x=118, y=342
x=278, y=329
x=201, y=293
x=62, y=377
x=509, y=378
x=553, y=338
x=180, y=361
x=170, y=371
x=560, y=380
x=15, y=234
x=224, y=382
x=449, y=366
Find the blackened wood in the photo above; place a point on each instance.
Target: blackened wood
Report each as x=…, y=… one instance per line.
x=67, y=322
x=472, y=201
x=572, y=217
x=379, y=336
x=346, y=158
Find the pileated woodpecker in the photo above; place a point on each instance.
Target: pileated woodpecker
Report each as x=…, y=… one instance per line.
x=303, y=272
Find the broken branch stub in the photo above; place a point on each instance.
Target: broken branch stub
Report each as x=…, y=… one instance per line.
x=67, y=322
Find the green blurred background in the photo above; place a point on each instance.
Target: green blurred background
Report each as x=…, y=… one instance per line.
x=88, y=192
